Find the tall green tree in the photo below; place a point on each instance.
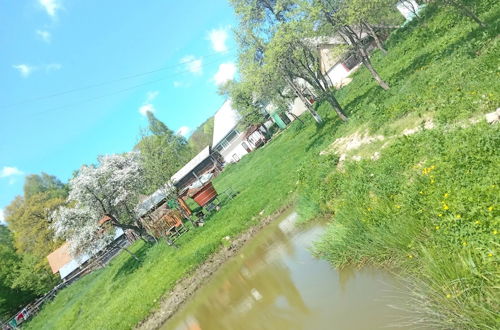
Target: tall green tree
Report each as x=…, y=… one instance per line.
x=29, y=220
x=277, y=58
x=29, y=216
x=10, y=298
x=162, y=153
x=43, y=182
x=202, y=136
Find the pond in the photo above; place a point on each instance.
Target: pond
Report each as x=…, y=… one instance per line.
x=275, y=283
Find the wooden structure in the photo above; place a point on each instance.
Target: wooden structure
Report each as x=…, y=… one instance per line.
x=207, y=161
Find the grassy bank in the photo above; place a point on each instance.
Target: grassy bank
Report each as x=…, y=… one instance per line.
x=416, y=207
x=429, y=206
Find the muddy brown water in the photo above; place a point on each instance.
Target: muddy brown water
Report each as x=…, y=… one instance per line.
x=275, y=283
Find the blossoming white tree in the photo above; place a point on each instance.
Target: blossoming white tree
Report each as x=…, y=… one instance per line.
x=108, y=189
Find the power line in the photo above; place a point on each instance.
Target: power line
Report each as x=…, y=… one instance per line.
x=39, y=98
x=112, y=93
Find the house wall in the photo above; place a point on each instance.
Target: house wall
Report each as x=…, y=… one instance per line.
x=407, y=8
x=205, y=166
x=235, y=148
x=338, y=73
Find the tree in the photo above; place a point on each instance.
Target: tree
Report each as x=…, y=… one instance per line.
x=293, y=55
x=28, y=217
x=262, y=48
x=10, y=298
x=345, y=21
x=29, y=220
x=34, y=184
x=464, y=9
x=202, y=136
x=110, y=188
x=162, y=154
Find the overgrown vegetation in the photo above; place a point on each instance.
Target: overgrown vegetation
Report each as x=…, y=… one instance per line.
x=428, y=206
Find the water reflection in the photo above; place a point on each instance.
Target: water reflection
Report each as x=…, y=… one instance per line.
x=275, y=284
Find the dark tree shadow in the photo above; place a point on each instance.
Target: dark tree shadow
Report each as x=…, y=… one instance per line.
x=132, y=264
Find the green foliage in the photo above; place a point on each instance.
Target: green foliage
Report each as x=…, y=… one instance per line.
x=10, y=298
x=432, y=192
x=27, y=273
x=162, y=153
x=202, y=136
x=29, y=219
x=39, y=183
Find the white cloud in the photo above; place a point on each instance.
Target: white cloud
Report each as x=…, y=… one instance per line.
x=144, y=109
x=24, y=69
x=183, y=131
x=9, y=171
x=50, y=6
x=148, y=106
x=178, y=84
x=218, y=39
x=44, y=35
x=2, y=217
x=53, y=67
x=193, y=64
x=225, y=73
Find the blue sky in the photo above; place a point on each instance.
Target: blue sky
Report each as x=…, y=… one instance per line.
x=78, y=75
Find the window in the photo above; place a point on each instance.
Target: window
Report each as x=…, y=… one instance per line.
x=224, y=143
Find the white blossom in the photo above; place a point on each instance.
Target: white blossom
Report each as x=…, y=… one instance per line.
x=108, y=188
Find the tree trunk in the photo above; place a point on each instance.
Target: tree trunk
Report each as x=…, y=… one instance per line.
x=375, y=36
x=467, y=12
x=304, y=100
x=368, y=64
x=360, y=49
x=295, y=116
x=336, y=106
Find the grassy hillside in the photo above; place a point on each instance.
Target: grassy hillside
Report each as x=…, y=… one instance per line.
x=430, y=203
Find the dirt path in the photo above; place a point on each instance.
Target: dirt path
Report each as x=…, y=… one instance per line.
x=185, y=288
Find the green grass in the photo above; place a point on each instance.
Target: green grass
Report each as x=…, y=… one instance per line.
x=126, y=291
x=442, y=66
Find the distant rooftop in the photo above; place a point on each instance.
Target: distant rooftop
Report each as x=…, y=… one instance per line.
x=186, y=169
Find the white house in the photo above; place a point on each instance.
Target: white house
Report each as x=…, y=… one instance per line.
x=408, y=8
x=228, y=141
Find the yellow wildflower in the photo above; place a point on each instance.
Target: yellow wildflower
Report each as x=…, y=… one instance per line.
x=464, y=243
x=448, y=296
x=458, y=216
x=440, y=214
x=477, y=222
x=421, y=192
x=445, y=207
x=437, y=227
x=490, y=208
x=446, y=195
x=398, y=206
x=410, y=256
x=495, y=232
x=490, y=254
